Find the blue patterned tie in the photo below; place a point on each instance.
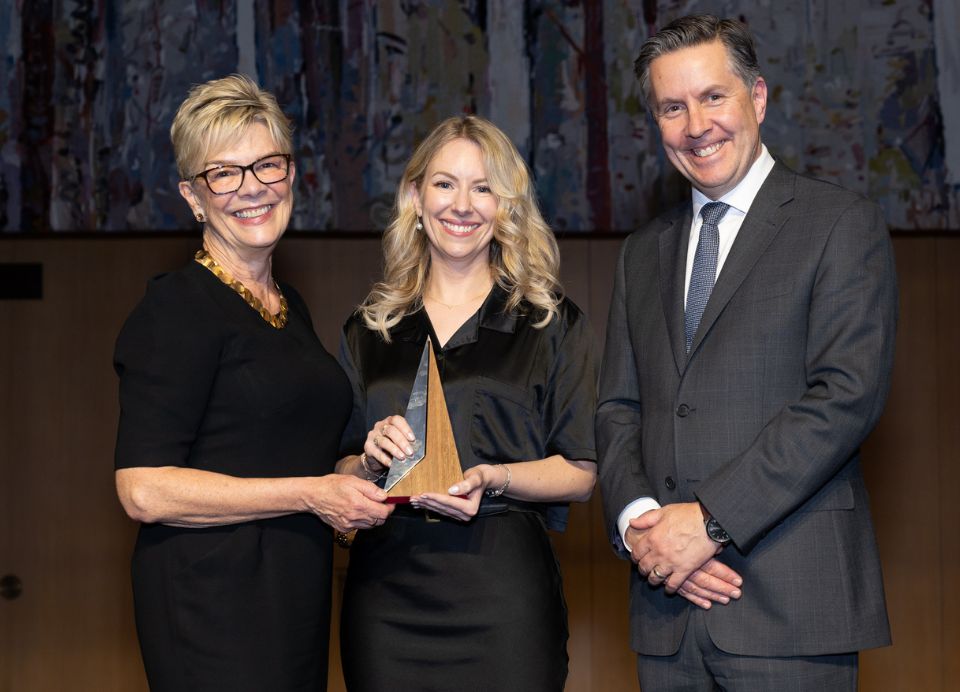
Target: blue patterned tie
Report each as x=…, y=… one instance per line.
x=704, y=272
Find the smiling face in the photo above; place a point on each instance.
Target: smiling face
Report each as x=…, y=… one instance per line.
x=254, y=217
x=709, y=119
x=457, y=206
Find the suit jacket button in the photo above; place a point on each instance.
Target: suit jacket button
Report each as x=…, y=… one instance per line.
x=683, y=410
x=670, y=483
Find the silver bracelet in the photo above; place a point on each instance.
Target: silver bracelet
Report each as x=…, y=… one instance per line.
x=503, y=488
x=374, y=476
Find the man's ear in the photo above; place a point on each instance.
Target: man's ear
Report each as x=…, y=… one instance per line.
x=759, y=96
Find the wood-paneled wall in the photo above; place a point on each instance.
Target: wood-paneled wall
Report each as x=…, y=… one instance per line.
x=63, y=533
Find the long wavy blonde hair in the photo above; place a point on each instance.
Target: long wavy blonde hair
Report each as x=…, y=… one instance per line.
x=523, y=252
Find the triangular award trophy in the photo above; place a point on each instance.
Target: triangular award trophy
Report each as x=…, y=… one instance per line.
x=435, y=463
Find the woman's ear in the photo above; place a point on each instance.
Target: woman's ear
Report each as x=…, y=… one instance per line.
x=415, y=198
x=186, y=191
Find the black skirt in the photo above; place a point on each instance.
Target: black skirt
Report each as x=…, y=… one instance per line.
x=443, y=605
x=238, y=608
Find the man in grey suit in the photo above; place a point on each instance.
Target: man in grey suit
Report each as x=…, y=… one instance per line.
x=748, y=355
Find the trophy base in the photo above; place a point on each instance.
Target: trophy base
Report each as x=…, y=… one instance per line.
x=405, y=499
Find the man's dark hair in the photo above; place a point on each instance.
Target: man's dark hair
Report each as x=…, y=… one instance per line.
x=694, y=30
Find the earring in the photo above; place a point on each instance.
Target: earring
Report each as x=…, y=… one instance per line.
x=419, y=223
x=200, y=217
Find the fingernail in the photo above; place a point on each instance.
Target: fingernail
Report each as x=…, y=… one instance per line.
x=724, y=600
x=454, y=490
x=738, y=581
x=736, y=593
x=409, y=451
x=411, y=436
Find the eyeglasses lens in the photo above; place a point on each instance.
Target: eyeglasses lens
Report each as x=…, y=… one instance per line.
x=271, y=169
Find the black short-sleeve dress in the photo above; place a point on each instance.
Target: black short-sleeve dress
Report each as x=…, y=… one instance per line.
x=439, y=604
x=207, y=383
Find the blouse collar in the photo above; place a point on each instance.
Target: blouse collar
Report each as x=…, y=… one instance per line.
x=492, y=314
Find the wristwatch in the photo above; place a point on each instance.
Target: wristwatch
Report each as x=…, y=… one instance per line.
x=716, y=532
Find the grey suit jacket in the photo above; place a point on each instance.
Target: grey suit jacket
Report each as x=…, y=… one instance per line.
x=762, y=421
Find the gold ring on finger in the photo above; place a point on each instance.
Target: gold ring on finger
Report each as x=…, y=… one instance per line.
x=657, y=574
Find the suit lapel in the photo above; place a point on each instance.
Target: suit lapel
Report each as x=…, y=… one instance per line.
x=760, y=227
x=672, y=268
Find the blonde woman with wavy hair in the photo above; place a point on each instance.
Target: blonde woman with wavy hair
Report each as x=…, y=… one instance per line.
x=464, y=585
x=523, y=255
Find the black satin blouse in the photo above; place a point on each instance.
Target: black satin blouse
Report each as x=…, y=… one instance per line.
x=514, y=392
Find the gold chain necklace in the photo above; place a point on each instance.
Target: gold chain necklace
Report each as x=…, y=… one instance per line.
x=448, y=306
x=279, y=321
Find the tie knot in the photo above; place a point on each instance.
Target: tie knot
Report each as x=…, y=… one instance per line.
x=712, y=212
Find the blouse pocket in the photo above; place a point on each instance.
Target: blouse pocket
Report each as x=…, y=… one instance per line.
x=506, y=425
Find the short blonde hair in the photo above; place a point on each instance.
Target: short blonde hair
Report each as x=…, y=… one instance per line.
x=523, y=252
x=216, y=113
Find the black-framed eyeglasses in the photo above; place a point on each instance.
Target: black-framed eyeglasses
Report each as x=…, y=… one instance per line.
x=228, y=178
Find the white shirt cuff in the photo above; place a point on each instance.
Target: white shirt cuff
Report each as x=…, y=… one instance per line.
x=631, y=511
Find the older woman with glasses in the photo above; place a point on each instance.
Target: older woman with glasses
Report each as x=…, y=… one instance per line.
x=231, y=415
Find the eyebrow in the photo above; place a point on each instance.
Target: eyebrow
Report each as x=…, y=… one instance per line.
x=709, y=89
x=227, y=162
x=451, y=175
x=716, y=87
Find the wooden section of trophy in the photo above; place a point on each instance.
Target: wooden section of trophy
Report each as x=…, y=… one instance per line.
x=440, y=466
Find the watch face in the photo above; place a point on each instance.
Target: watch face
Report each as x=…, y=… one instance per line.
x=716, y=532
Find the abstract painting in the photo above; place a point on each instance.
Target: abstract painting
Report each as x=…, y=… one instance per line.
x=860, y=91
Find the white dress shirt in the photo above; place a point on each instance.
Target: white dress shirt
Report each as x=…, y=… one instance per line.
x=739, y=198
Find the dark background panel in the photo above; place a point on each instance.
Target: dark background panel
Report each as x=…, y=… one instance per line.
x=63, y=533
